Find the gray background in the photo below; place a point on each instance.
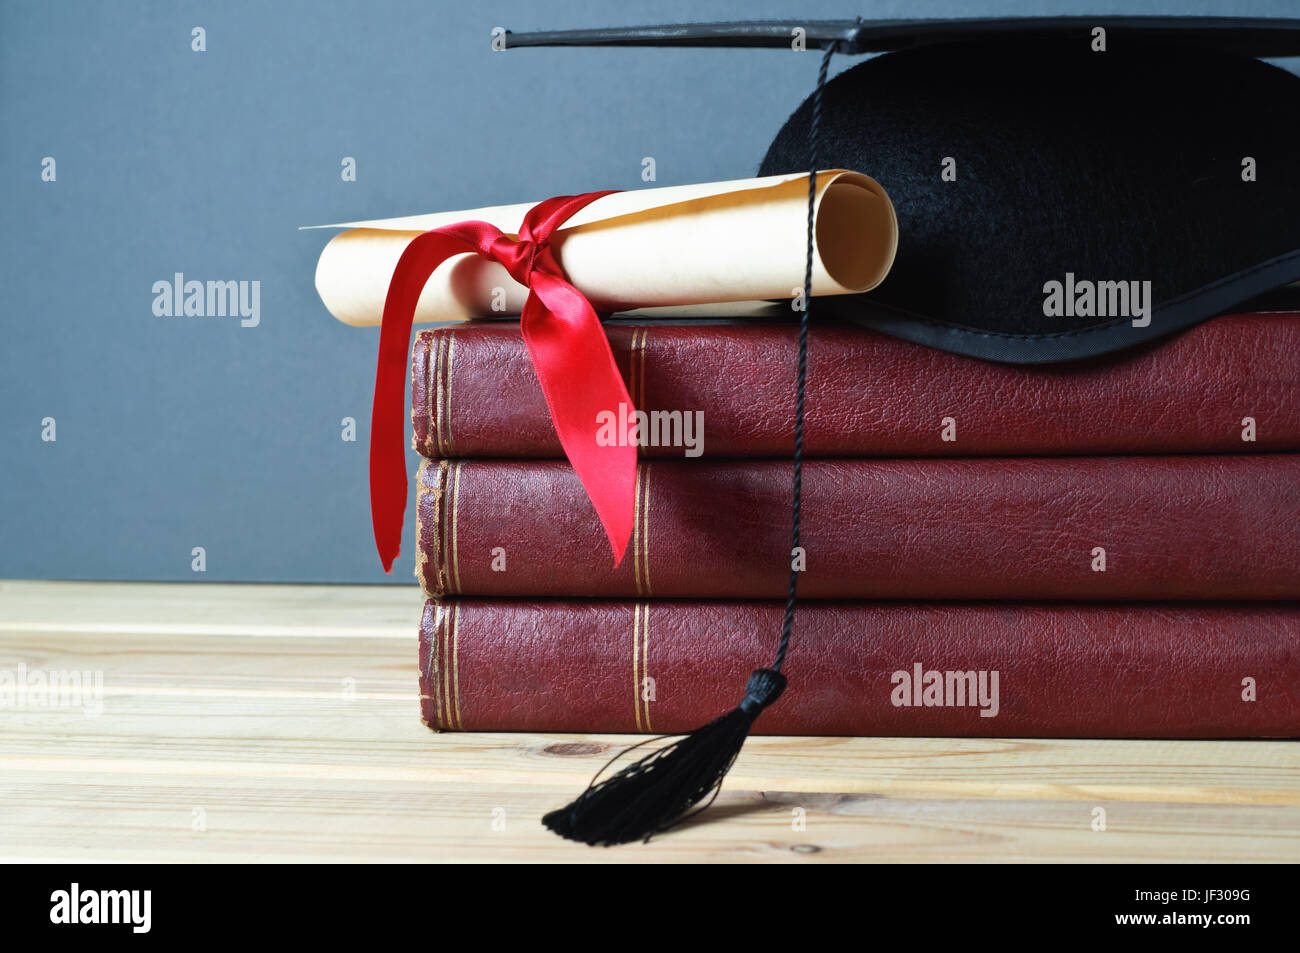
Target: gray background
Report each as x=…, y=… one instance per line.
x=183, y=432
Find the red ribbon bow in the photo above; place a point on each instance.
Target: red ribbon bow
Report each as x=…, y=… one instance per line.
x=568, y=348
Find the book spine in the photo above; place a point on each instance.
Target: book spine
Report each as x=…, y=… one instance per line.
x=474, y=393
x=1010, y=670
x=1088, y=528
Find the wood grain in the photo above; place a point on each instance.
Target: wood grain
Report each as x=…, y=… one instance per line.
x=282, y=720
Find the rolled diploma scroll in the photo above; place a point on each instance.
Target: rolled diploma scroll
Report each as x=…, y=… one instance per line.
x=681, y=245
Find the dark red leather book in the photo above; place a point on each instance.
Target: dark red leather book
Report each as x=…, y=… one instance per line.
x=474, y=393
x=1005, y=670
x=1088, y=528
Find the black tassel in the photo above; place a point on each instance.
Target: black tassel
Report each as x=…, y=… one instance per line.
x=655, y=793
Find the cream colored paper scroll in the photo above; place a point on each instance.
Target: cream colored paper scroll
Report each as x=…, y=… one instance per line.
x=681, y=245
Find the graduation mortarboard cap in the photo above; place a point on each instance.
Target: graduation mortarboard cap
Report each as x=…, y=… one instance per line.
x=1065, y=186
x=1046, y=174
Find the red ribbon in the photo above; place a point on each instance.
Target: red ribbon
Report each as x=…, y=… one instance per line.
x=565, y=340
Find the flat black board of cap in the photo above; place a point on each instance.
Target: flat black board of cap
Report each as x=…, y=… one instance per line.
x=1248, y=36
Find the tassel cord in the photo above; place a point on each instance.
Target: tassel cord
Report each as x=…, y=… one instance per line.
x=801, y=376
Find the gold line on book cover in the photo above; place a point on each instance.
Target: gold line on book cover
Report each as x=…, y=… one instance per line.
x=430, y=450
x=645, y=530
x=455, y=522
x=442, y=579
x=444, y=634
x=442, y=667
x=633, y=350
x=645, y=662
x=455, y=661
x=435, y=395
x=437, y=392
x=640, y=386
x=636, y=656
x=446, y=394
x=636, y=531
x=434, y=672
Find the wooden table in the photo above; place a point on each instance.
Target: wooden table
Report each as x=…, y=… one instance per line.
x=280, y=723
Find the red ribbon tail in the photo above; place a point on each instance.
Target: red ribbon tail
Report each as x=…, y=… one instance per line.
x=387, y=427
x=584, y=391
x=388, y=413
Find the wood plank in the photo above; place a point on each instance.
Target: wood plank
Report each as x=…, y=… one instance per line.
x=151, y=818
x=208, y=609
x=288, y=715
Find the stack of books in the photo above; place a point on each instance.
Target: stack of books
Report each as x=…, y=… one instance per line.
x=1097, y=549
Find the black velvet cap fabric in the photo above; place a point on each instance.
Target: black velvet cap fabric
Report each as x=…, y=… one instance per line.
x=1123, y=165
